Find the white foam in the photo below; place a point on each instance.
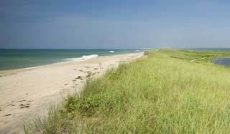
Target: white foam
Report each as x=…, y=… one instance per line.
x=86, y=57
x=83, y=58
x=73, y=59
x=111, y=51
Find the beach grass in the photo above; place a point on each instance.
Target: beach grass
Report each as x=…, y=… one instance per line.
x=166, y=91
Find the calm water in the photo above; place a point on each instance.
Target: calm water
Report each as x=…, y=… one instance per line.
x=211, y=49
x=13, y=59
x=222, y=61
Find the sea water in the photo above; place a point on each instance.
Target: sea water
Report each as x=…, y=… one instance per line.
x=23, y=58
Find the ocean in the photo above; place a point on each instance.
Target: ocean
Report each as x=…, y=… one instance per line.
x=24, y=58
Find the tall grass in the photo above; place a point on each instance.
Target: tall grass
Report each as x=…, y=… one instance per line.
x=165, y=92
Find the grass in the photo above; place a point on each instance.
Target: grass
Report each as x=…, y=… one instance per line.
x=168, y=91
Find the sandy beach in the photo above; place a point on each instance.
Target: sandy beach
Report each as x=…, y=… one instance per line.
x=27, y=93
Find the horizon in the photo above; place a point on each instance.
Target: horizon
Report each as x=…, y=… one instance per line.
x=110, y=48
x=107, y=24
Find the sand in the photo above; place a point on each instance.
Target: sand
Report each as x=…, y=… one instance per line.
x=28, y=93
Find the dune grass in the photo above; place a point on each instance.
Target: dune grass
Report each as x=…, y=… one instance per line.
x=168, y=91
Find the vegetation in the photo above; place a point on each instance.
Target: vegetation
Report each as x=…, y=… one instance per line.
x=167, y=91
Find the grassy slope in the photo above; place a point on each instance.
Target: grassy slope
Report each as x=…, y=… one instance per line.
x=165, y=92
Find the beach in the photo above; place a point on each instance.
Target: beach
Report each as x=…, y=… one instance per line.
x=166, y=91
x=27, y=93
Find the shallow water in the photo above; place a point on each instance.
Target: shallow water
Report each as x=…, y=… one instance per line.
x=222, y=61
x=23, y=58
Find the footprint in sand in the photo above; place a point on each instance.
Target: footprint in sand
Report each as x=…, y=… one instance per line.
x=79, y=77
x=87, y=66
x=88, y=75
x=24, y=105
x=7, y=114
x=11, y=105
x=21, y=100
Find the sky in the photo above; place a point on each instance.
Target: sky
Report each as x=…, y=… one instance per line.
x=120, y=24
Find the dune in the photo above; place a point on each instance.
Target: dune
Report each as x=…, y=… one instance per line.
x=27, y=93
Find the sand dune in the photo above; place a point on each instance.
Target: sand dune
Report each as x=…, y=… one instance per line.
x=26, y=93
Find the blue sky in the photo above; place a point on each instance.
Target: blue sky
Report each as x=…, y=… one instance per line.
x=114, y=23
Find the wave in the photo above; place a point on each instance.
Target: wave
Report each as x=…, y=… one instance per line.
x=83, y=58
x=86, y=57
x=111, y=51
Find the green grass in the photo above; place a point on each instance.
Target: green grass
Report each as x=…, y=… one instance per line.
x=168, y=91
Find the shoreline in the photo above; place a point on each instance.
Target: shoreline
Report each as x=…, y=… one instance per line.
x=51, y=57
x=61, y=62
x=29, y=92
